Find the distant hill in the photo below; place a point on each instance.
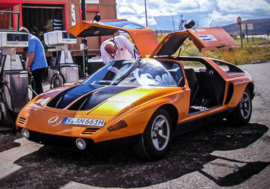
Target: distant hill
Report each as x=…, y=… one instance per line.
x=260, y=26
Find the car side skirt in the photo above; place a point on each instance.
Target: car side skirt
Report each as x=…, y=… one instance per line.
x=187, y=126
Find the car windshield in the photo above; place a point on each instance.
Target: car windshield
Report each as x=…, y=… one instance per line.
x=141, y=72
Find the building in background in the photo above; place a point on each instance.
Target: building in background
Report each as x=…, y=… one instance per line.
x=41, y=16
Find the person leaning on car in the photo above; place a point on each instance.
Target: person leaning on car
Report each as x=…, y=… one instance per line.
x=117, y=48
x=36, y=62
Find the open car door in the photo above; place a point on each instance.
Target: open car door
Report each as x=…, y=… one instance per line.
x=204, y=39
x=144, y=38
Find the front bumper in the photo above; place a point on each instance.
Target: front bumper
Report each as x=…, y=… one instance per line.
x=70, y=142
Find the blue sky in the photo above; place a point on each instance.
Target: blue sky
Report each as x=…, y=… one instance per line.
x=165, y=14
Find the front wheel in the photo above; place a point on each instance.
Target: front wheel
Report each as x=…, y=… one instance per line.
x=156, y=138
x=242, y=113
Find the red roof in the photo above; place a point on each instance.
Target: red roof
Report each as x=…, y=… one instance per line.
x=7, y=3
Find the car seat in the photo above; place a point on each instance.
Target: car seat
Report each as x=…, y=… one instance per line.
x=192, y=83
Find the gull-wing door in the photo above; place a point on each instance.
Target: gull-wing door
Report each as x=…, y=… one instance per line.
x=143, y=37
x=205, y=39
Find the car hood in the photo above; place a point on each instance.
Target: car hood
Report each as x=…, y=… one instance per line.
x=97, y=100
x=205, y=39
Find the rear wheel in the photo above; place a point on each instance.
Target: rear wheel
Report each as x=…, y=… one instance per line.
x=156, y=138
x=242, y=113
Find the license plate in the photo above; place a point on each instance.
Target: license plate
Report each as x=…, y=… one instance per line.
x=83, y=121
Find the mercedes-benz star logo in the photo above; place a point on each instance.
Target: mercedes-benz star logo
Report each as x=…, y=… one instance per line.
x=54, y=121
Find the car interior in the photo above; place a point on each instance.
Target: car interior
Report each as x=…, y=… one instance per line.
x=206, y=85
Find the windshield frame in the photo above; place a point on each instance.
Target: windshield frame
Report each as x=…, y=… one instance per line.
x=145, y=72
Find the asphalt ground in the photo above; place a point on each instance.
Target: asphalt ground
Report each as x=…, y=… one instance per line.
x=216, y=156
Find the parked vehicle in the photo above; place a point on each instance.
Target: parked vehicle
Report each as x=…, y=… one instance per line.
x=148, y=101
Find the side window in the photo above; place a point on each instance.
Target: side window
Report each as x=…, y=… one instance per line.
x=223, y=66
x=228, y=68
x=177, y=74
x=197, y=67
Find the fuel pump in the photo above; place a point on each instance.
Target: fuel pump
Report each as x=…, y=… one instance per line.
x=13, y=77
x=62, y=69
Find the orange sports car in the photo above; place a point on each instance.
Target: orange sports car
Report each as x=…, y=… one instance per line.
x=146, y=101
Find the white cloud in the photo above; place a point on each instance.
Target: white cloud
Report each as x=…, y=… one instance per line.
x=135, y=10
x=138, y=8
x=126, y=10
x=243, y=6
x=206, y=5
x=217, y=16
x=247, y=9
x=160, y=7
x=151, y=21
x=142, y=21
x=205, y=11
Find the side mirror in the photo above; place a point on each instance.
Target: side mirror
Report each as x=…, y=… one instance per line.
x=189, y=24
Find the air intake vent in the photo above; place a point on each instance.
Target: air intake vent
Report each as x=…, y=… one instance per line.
x=90, y=131
x=63, y=99
x=22, y=120
x=93, y=99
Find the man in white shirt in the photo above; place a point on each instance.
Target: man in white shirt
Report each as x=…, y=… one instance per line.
x=117, y=48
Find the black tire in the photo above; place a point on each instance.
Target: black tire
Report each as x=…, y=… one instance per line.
x=1, y=113
x=242, y=113
x=156, y=138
